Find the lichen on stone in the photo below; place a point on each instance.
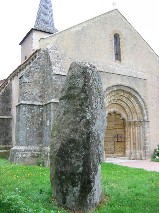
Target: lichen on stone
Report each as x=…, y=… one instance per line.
x=77, y=140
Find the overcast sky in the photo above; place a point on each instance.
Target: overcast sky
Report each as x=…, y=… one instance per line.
x=17, y=17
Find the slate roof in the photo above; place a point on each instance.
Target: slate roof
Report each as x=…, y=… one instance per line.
x=44, y=19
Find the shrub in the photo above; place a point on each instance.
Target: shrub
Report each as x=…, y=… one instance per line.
x=14, y=203
x=40, y=162
x=155, y=156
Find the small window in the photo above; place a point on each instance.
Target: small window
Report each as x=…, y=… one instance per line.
x=25, y=57
x=117, y=50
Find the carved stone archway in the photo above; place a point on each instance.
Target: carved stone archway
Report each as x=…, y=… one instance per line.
x=132, y=108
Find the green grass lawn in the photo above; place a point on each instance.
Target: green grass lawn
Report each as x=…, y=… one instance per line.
x=27, y=189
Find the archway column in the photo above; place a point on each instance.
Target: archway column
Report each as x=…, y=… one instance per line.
x=146, y=139
x=128, y=139
x=136, y=140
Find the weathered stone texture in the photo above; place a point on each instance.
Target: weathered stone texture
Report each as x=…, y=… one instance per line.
x=77, y=140
x=5, y=117
x=42, y=81
x=49, y=111
x=39, y=91
x=5, y=100
x=5, y=132
x=29, y=125
x=32, y=82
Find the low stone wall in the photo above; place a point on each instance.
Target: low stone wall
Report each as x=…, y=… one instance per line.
x=5, y=151
x=30, y=155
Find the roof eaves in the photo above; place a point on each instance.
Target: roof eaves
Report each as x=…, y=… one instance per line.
x=30, y=32
x=18, y=69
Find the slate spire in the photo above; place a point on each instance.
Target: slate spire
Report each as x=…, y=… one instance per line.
x=44, y=19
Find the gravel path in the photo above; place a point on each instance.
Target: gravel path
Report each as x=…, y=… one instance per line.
x=142, y=164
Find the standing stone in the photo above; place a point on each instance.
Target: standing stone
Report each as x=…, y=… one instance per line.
x=77, y=140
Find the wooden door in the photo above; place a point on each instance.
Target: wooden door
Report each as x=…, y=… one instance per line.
x=114, y=143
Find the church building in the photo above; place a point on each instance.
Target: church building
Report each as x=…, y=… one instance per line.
x=129, y=70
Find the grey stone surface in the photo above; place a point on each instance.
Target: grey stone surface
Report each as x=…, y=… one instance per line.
x=77, y=140
x=5, y=117
x=44, y=20
x=5, y=132
x=30, y=122
x=30, y=155
x=5, y=100
x=39, y=90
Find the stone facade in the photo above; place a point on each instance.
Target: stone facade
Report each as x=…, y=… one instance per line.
x=131, y=85
x=84, y=42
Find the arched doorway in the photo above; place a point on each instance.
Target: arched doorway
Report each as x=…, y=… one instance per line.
x=126, y=108
x=114, y=141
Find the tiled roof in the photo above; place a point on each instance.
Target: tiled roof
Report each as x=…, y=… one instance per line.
x=44, y=19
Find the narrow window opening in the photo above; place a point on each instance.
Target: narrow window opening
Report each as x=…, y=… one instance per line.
x=117, y=50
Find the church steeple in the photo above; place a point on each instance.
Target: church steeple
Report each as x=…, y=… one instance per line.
x=44, y=26
x=44, y=19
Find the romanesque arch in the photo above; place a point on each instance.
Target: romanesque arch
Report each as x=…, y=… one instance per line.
x=129, y=105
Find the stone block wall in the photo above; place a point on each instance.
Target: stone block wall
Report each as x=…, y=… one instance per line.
x=5, y=118
x=5, y=100
x=31, y=84
x=5, y=132
x=49, y=111
x=29, y=125
x=39, y=89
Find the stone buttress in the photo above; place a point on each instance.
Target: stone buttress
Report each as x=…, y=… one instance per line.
x=38, y=100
